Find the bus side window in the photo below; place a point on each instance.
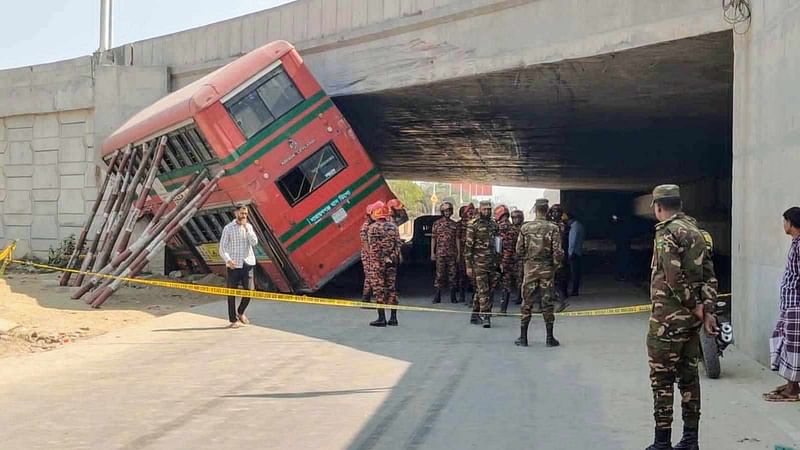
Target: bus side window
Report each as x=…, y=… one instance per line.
x=310, y=174
x=261, y=104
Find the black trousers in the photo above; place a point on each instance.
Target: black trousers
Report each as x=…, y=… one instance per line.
x=239, y=278
x=575, y=273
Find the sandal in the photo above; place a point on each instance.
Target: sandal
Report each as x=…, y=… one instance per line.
x=779, y=396
x=244, y=319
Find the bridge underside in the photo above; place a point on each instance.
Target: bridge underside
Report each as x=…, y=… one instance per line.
x=622, y=121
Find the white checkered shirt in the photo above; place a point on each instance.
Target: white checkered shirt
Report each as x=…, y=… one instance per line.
x=237, y=244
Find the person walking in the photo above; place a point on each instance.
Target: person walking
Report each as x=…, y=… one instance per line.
x=680, y=309
x=508, y=256
x=784, y=346
x=236, y=248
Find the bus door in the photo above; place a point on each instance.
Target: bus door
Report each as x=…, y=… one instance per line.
x=286, y=271
x=204, y=231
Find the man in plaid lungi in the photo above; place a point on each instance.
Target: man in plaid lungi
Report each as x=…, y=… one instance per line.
x=784, y=346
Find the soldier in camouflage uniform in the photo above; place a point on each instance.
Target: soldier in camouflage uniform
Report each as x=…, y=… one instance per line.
x=539, y=247
x=681, y=288
x=481, y=260
x=365, y=261
x=465, y=213
x=508, y=256
x=517, y=219
x=556, y=215
x=384, y=250
x=444, y=251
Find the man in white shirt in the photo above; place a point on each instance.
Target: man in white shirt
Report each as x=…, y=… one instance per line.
x=236, y=248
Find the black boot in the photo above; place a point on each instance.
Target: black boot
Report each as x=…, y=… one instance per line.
x=688, y=441
x=438, y=297
x=453, y=298
x=393, y=318
x=487, y=321
x=381, y=321
x=504, y=303
x=663, y=440
x=551, y=341
x=475, y=319
x=523, y=336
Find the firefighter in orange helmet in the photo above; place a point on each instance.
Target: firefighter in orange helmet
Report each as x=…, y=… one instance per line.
x=384, y=249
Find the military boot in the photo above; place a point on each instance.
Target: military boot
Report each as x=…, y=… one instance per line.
x=551, y=341
x=475, y=319
x=393, y=319
x=522, y=341
x=504, y=303
x=438, y=297
x=688, y=441
x=663, y=440
x=486, y=320
x=381, y=321
x=453, y=297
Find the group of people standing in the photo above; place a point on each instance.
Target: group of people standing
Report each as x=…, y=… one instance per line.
x=495, y=248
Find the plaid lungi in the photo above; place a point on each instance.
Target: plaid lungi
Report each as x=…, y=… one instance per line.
x=784, y=346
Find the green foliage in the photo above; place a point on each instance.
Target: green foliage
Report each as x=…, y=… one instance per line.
x=412, y=196
x=60, y=255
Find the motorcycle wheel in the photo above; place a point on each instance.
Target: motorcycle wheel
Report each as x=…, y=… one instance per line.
x=710, y=355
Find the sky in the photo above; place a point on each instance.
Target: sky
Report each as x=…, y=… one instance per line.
x=40, y=31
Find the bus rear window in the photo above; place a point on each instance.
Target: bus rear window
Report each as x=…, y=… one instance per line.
x=264, y=102
x=311, y=174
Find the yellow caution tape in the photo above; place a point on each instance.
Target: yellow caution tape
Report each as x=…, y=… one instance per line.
x=5, y=257
x=324, y=301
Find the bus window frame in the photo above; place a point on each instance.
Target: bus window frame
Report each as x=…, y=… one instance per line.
x=282, y=190
x=253, y=87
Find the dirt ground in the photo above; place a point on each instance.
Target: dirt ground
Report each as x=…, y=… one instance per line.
x=36, y=314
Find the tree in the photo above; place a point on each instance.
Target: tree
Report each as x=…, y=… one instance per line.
x=412, y=196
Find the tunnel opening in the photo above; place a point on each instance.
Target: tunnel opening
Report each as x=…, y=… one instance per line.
x=604, y=130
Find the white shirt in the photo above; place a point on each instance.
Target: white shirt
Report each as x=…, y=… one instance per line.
x=237, y=244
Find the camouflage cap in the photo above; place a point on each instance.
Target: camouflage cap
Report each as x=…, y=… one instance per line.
x=485, y=204
x=665, y=191
x=541, y=202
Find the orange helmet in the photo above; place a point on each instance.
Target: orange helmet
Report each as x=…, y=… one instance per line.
x=500, y=211
x=380, y=212
x=395, y=204
x=371, y=207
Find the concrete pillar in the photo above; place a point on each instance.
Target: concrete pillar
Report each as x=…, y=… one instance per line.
x=766, y=163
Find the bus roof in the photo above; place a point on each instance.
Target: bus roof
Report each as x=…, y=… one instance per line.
x=184, y=103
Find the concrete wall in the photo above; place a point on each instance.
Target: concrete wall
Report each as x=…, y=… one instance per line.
x=766, y=164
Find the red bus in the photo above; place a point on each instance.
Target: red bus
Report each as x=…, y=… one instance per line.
x=288, y=153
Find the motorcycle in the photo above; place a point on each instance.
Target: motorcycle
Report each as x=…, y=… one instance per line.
x=714, y=346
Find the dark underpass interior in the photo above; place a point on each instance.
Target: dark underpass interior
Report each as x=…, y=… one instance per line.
x=603, y=129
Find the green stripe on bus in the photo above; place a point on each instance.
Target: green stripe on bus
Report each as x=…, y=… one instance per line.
x=182, y=172
x=280, y=138
x=322, y=224
x=298, y=227
x=263, y=134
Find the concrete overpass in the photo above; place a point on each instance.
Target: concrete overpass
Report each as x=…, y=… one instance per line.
x=576, y=95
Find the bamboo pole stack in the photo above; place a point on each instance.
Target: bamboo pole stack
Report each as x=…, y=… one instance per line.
x=132, y=172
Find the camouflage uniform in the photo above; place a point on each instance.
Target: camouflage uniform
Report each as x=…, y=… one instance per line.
x=509, y=263
x=384, y=251
x=461, y=239
x=481, y=259
x=682, y=278
x=539, y=248
x=365, y=260
x=444, y=233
